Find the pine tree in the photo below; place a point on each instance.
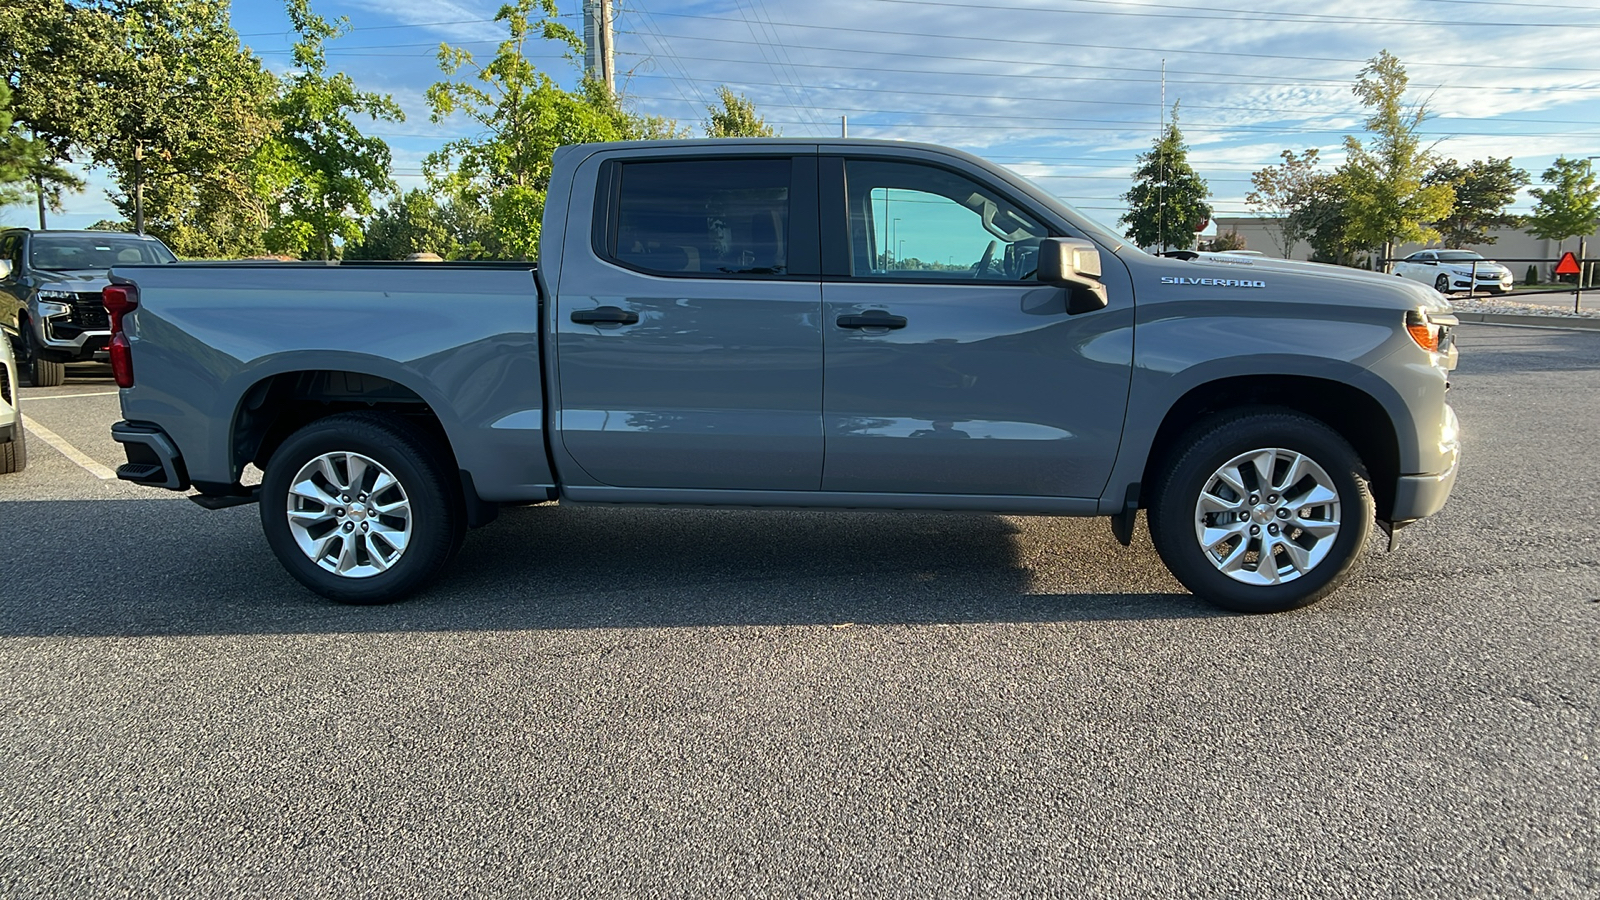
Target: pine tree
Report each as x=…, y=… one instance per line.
x=1167, y=203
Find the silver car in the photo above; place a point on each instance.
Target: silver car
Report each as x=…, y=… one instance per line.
x=13, y=450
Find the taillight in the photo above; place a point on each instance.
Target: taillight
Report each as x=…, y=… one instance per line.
x=119, y=300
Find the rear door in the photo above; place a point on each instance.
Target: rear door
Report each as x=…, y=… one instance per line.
x=950, y=370
x=688, y=326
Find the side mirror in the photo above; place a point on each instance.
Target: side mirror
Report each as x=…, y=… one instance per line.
x=5, y=268
x=1074, y=265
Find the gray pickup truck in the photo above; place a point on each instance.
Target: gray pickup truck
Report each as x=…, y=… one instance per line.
x=797, y=324
x=50, y=284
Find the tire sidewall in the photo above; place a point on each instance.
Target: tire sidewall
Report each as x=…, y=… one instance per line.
x=1172, y=518
x=409, y=460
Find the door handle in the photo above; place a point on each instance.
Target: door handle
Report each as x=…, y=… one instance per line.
x=605, y=315
x=872, y=318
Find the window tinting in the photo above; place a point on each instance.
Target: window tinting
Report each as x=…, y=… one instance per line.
x=910, y=221
x=712, y=218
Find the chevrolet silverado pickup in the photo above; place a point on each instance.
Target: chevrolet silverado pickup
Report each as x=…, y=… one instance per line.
x=782, y=323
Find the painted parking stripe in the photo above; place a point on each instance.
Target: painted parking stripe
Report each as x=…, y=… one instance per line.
x=67, y=450
x=71, y=396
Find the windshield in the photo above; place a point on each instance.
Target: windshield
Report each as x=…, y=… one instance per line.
x=64, y=252
x=1458, y=256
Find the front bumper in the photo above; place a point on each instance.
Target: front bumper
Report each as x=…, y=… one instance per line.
x=153, y=459
x=78, y=332
x=1419, y=496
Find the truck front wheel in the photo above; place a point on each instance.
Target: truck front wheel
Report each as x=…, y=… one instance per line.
x=361, y=507
x=41, y=372
x=1264, y=511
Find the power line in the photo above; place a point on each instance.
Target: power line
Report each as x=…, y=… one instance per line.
x=880, y=33
x=1251, y=14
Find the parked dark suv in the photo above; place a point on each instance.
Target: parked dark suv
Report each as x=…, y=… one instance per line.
x=50, y=285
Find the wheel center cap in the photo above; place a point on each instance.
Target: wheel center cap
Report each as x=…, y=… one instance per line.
x=357, y=511
x=1262, y=513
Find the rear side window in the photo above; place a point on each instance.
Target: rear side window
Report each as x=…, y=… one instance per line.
x=703, y=218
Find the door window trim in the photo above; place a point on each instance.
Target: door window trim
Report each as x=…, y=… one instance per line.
x=802, y=252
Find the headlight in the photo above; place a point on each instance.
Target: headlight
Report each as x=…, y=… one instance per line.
x=50, y=309
x=48, y=294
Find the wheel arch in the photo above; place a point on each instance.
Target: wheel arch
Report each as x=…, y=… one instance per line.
x=1357, y=416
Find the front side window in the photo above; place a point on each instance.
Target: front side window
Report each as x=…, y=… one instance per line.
x=722, y=218
x=910, y=221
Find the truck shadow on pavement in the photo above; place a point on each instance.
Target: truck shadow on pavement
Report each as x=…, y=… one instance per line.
x=165, y=567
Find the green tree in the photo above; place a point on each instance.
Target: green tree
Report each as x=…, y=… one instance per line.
x=1570, y=206
x=1483, y=189
x=1282, y=191
x=736, y=118
x=1389, y=202
x=318, y=170
x=1167, y=203
x=48, y=57
x=497, y=179
x=1322, y=217
x=410, y=223
x=178, y=105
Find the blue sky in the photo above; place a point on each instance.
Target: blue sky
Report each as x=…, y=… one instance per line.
x=1067, y=92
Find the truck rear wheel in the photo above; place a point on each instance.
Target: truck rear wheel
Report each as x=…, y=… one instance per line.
x=1265, y=511
x=362, y=507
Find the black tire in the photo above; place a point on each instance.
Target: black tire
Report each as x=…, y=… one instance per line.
x=14, y=453
x=1174, y=514
x=41, y=372
x=424, y=472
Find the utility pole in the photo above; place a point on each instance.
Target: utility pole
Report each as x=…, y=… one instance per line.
x=844, y=126
x=38, y=185
x=1161, y=157
x=598, y=51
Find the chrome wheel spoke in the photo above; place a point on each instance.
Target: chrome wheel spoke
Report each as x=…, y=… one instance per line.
x=1263, y=538
x=1211, y=503
x=1298, y=556
x=341, y=524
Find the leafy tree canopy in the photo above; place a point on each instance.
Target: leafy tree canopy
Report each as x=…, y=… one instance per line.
x=736, y=118
x=1483, y=189
x=1167, y=203
x=410, y=223
x=317, y=169
x=1283, y=192
x=1383, y=179
x=1570, y=206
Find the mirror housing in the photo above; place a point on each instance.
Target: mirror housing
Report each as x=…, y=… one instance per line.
x=1075, y=265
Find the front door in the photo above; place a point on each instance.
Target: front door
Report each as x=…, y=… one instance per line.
x=689, y=334
x=950, y=370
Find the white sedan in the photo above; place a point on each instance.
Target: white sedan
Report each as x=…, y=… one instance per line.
x=1450, y=271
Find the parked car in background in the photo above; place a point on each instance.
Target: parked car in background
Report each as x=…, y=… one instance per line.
x=13, y=449
x=1452, y=270
x=50, y=285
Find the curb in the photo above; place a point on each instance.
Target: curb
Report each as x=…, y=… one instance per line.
x=1576, y=322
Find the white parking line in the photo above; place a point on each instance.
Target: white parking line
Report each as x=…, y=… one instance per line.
x=69, y=451
x=70, y=396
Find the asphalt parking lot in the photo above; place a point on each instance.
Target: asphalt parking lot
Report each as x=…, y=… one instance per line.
x=709, y=703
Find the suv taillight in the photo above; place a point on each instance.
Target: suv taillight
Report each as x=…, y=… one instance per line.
x=119, y=300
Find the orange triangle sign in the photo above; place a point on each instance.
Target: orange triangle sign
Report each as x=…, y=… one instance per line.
x=1568, y=264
